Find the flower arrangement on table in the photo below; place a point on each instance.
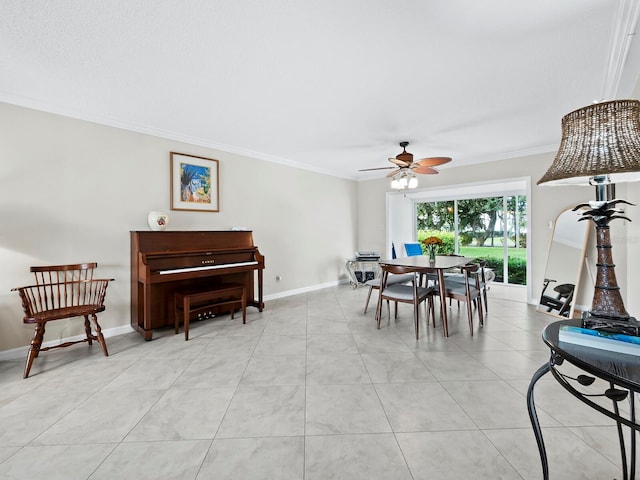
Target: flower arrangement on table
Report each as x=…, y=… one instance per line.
x=432, y=243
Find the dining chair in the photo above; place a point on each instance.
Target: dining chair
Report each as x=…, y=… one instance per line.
x=404, y=293
x=468, y=290
x=61, y=292
x=374, y=284
x=484, y=276
x=413, y=249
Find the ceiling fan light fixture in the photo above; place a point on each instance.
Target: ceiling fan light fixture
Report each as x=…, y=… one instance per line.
x=413, y=182
x=403, y=181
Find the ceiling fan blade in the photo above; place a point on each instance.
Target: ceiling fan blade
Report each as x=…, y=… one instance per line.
x=405, y=164
x=379, y=168
x=424, y=170
x=432, y=161
x=400, y=163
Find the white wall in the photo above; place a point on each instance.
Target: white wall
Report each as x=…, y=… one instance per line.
x=401, y=226
x=71, y=191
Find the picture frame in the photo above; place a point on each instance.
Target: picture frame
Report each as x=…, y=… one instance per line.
x=195, y=183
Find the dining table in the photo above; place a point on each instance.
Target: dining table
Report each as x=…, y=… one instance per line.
x=438, y=267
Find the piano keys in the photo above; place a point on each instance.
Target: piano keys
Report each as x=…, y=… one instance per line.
x=163, y=263
x=197, y=269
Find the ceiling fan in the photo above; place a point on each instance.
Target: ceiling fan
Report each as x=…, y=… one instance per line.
x=405, y=164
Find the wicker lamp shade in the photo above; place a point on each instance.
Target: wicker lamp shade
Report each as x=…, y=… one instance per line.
x=601, y=139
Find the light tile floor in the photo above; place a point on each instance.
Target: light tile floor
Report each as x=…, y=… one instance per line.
x=308, y=389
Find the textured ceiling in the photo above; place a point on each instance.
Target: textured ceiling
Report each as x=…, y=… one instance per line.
x=328, y=85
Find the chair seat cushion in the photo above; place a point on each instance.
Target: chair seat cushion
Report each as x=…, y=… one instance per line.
x=391, y=280
x=490, y=275
x=454, y=277
x=459, y=289
x=405, y=292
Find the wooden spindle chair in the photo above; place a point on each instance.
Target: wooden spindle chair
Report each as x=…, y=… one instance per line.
x=63, y=291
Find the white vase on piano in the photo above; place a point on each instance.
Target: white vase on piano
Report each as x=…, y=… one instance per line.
x=158, y=221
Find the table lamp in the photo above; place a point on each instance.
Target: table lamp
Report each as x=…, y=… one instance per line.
x=600, y=146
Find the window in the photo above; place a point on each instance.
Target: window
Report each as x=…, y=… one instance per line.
x=487, y=228
x=485, y=220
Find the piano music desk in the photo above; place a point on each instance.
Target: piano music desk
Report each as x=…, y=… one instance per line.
x=189, y=303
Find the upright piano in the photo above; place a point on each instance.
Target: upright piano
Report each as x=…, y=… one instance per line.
x=165, y=262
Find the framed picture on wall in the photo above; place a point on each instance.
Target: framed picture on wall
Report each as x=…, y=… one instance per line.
x=194, y=183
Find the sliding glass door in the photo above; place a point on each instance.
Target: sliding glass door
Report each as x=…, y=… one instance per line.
x=492, y=228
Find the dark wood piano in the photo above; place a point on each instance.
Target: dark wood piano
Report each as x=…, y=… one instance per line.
x=164, y=262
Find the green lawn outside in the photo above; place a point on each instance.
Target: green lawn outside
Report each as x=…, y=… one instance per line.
x=495, y=252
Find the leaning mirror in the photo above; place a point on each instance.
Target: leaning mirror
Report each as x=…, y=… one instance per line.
x=564, y=264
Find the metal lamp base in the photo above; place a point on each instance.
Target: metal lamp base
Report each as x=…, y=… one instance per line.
x=628, y=326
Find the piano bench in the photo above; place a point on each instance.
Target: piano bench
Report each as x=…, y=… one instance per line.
x=233, y=296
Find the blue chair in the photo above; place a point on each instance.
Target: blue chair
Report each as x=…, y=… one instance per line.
x=413, y=249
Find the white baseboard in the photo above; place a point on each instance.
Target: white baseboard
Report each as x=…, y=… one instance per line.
x=297, y=291
x=21, y=352
x=515, y=293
